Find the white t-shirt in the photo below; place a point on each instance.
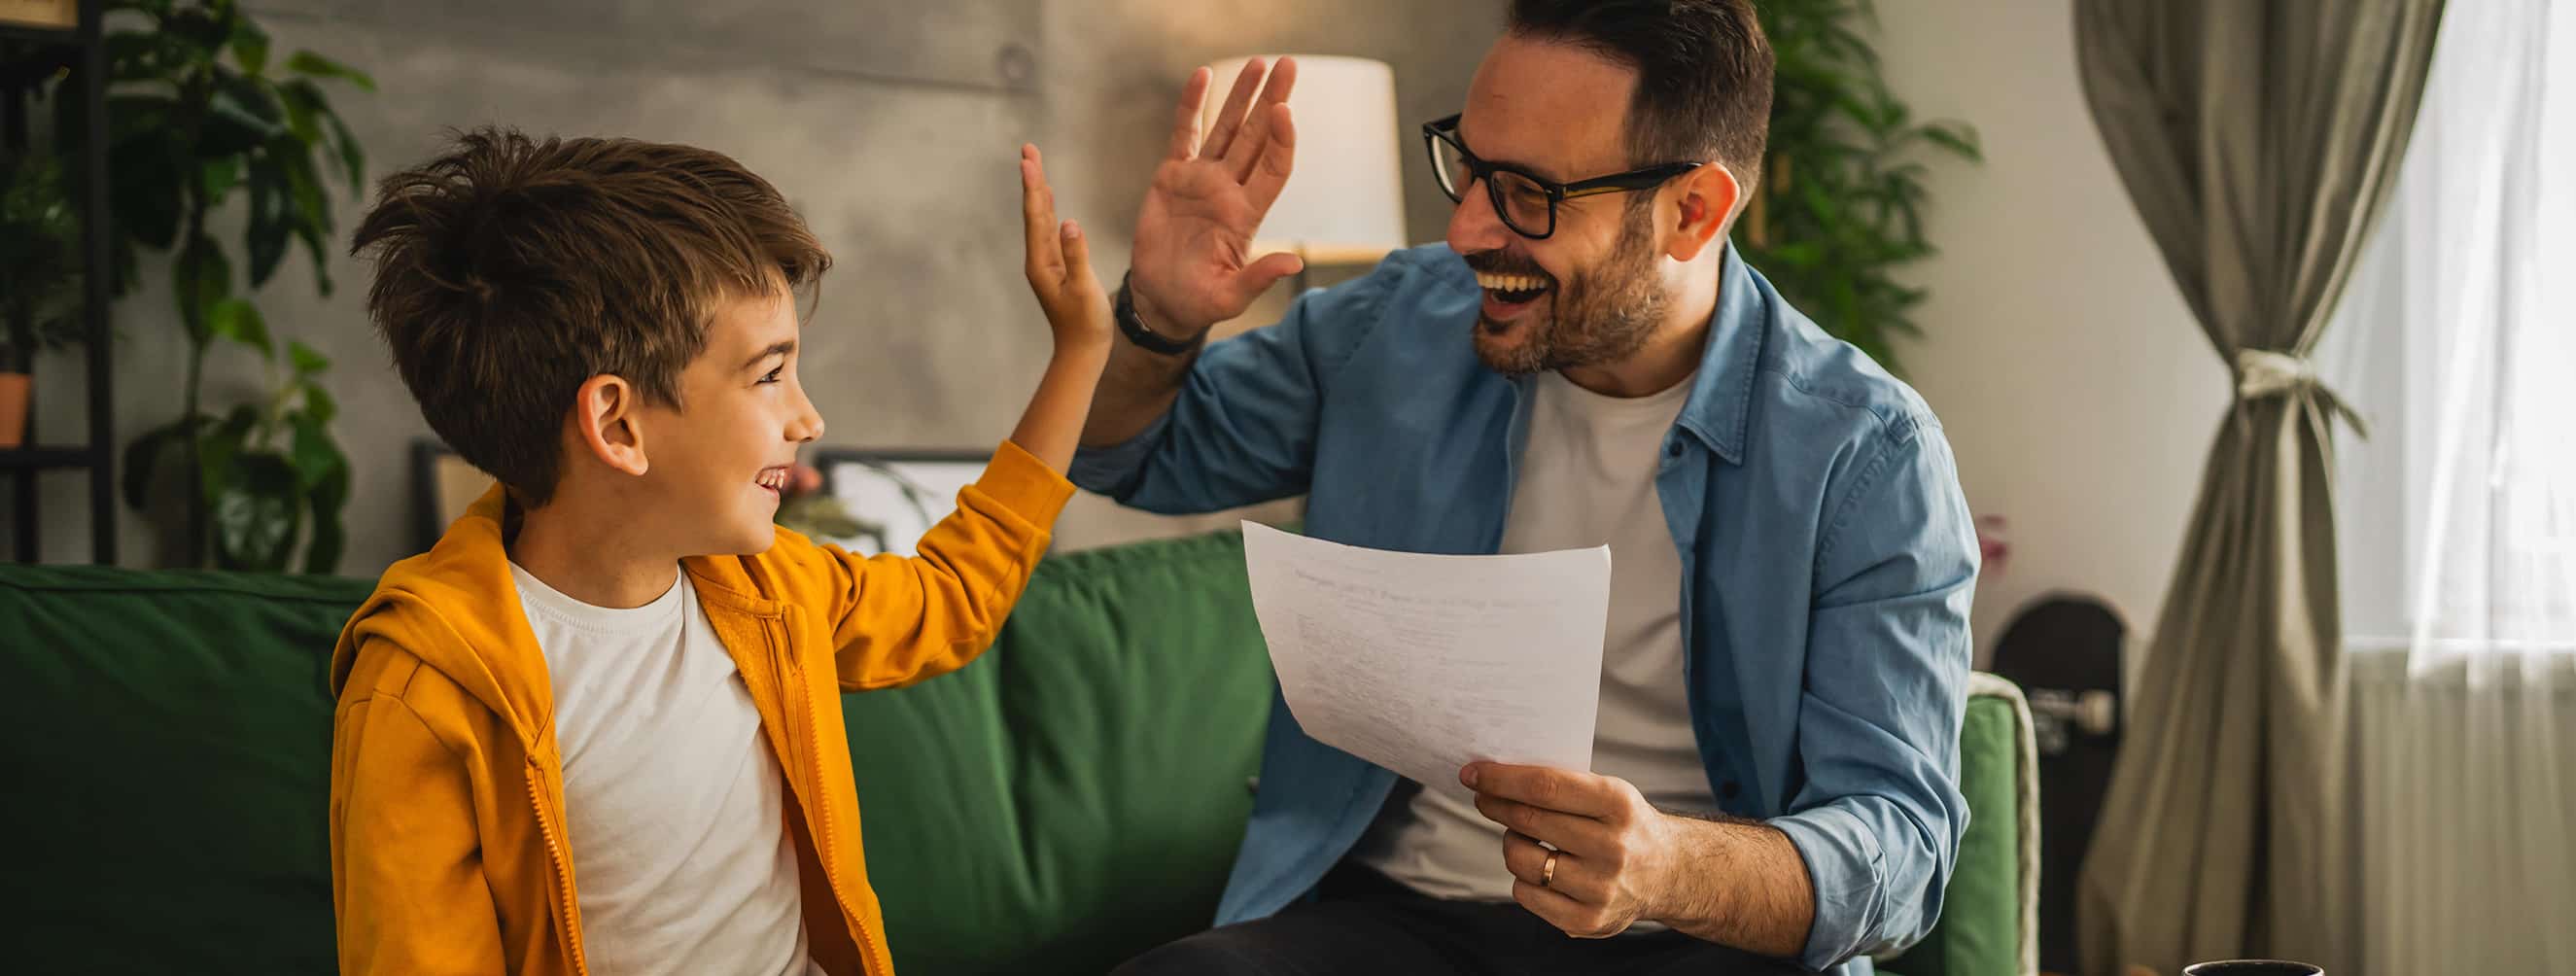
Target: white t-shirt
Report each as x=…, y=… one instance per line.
x=1587, y=478
x=673, y=800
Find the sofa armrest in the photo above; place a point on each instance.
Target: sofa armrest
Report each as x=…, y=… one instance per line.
x=2025, y=806
x=1989, y=916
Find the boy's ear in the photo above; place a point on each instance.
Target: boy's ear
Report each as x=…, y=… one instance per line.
x=1707, y=197
x=605, y=417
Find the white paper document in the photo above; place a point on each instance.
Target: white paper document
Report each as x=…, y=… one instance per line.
x=1422, y=663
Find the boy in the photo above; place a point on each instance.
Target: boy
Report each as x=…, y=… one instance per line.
x=598, y=727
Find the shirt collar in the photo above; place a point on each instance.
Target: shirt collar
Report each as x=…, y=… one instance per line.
x=1721, y=400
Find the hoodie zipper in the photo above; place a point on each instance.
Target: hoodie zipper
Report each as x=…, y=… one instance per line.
x=794, y=689
x=563, y=878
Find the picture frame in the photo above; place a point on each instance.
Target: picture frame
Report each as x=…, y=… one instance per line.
x=443, y=487
x=897, y=495
x=52, y=14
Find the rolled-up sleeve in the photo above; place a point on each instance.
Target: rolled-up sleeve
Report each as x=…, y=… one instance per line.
x=1879, y=815
x=1243, y=430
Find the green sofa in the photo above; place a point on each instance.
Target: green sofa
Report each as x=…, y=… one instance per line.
x=1072, y=798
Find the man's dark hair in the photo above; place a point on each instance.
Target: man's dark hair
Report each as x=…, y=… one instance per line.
x=1703, y=73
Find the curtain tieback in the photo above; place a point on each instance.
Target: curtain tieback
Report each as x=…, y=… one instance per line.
x=2263, y=373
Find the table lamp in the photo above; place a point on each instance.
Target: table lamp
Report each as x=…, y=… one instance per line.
x=1344, y=203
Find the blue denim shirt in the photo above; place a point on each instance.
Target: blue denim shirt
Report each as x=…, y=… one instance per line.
x=1828, y=553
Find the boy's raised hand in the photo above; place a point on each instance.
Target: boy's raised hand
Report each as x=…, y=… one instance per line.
x=1059, y=263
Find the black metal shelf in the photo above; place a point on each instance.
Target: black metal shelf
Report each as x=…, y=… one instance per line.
x=84, y=54
x=46, y=458
x=22, y=31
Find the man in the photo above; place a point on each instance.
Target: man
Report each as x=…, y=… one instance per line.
x=1585, y=362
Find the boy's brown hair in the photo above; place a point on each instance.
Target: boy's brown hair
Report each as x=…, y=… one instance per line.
x=511, y=270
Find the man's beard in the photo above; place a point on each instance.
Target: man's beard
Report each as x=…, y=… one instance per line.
x=1601, y=315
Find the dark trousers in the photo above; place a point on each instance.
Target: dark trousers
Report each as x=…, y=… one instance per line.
x=1363, y=922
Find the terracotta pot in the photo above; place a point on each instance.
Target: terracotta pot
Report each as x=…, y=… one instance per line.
x=14, y=389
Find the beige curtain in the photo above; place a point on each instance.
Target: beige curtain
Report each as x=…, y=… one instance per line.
x=2258, y=139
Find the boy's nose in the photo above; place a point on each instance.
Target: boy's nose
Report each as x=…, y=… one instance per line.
x=808, y=427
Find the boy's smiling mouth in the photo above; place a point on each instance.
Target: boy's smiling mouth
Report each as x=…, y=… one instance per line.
x=773, y=478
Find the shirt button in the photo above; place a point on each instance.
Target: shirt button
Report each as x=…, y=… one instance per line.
x=1728, y=789
x=1673, y=449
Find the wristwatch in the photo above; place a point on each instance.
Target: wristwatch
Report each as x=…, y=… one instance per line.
x=1133, y=327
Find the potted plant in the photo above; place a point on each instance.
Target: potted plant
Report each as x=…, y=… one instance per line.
x=204, y=122
x=1839, y=209
x=39, y=280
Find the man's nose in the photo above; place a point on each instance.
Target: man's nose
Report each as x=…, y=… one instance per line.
x=1474, y=227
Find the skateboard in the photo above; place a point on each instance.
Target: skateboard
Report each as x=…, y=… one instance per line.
x=2065, y=653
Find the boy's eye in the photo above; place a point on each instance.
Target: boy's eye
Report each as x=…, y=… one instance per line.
x=774, y=374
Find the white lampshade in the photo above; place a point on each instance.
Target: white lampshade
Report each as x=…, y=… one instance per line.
x=1345, y=194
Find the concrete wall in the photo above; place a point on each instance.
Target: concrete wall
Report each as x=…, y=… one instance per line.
x=2071, y=379
x=2073, y=382
x=894, y=127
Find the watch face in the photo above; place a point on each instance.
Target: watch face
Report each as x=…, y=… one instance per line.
x=1133, y=327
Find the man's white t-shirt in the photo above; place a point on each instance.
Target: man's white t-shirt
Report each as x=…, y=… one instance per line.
x=673, y=800
x=1587, y=478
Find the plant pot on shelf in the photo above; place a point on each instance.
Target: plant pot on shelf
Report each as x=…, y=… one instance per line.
x=15, y=391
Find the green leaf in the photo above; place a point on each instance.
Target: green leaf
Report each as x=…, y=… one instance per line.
x=330, y=538
x=218, y=443
x=318, y=402
x=145, y=184
x=238, y=320
x=309, y=63
x=143, y=456
x=200, y=278
x=311, y=218
x=352, y=156
x=1845, y=43
x=204, y=32
x=216, y=177
x=256, y=512
x=240, y=115
x=1850, y=106
x=266, y=232
x=131, y=56
x=131, y=115
x=250, y=45
x=295, y=162
x=1800, y=254
x=1956, y=137
x=1818, y=201
x=303, y=101
x=313, y=453
x=307, y=361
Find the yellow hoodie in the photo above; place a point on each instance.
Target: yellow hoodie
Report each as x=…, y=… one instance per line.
x=448, y=852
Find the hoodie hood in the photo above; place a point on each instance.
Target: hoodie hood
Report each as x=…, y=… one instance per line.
x=468, y=568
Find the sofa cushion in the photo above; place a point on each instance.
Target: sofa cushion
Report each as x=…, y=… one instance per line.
x=1070, y=799
x=1076, y=794
x=169, y=765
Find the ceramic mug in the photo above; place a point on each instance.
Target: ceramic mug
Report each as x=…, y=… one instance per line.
x=2252, y=967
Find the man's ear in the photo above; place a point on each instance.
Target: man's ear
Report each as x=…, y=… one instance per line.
x=607, y=422
x=1706, y=197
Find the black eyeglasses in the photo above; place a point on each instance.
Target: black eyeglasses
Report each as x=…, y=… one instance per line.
x=1526, y=202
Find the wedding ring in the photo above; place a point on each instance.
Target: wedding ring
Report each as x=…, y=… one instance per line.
x=1547, y=870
